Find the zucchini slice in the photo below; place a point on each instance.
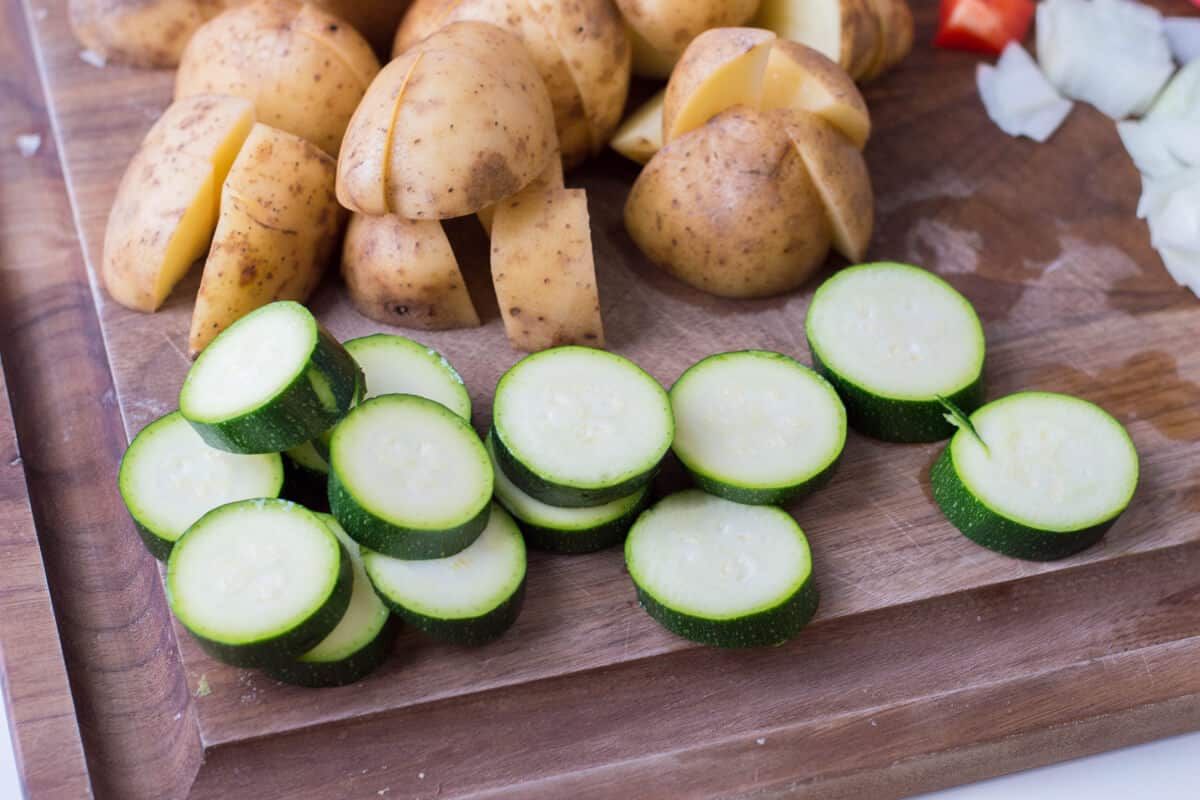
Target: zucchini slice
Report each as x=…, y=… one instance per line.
x=306, y=477
x=269, y=382
x=578, y=427
x=259, y=582
x=757, y=427
x=1037, y=475
x=398, y=365
x=170, y=478
x=469, y=598
x=409, y=478
x=892, y=339
x=360, y=642
x=722, y=573
x=567, y=530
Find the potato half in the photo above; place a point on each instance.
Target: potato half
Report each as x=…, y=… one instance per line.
x=278, y=225
x=141, y=33
x=403, y=272
x=730, y=208
x=459, y=121
x=660, y=30
x=304, y=69
x=543, y=271
x=166, y=205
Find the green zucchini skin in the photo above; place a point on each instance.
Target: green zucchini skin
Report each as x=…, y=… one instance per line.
x=746, y=495
x=411, y=544
x=303, y=483
x=578, y=542
x=985, y=527
x=326, y=674
x=557, y=494
x=894, y=420
x=292, y=644
x=469, y=632
x=770, y=626
x=158, y=547
x=297, y=413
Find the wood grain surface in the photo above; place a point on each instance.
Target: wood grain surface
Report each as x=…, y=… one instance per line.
x=931, y=662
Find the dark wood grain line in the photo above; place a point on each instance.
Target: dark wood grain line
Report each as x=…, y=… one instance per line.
x=130, y=693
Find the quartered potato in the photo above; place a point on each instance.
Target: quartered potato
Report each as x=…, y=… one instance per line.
x=278, y=225
x=166, y=205
x=799, y=77
x=722, y=68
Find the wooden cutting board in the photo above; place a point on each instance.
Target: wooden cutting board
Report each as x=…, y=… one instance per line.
x=931, y=661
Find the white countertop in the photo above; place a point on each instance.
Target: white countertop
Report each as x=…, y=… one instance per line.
x=1164, y=770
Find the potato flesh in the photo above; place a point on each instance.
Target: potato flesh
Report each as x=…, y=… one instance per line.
x=799, y=77
x=640, y=136
x=166, y=206
x=278, y=224
x=543, y=271
x=403, y=272
x=720, y=69
x=840, y=176
x=844, y=31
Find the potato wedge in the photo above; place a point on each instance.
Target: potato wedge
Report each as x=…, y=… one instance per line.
x=640, y=135
x=458, y=122
x=140, y=33
x=404, y=273
x=551, y=178
x=425, y=17
x=543, y=271
x=840, y=175
x=304, y=69
x=598, y=56
x=802, y=78
x=721, y=68
x=166, y=206
x=730, y=208
x=664, y=28
x=896, y=33
x=844, y=31
x=278, y=225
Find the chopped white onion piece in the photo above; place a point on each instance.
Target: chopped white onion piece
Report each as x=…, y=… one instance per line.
x=1183, y=267
x=1017, y=96
x=1175, y=224
x=1183, y=34
x=1160, y=146
x=1181, y=97
x=1156, y=191
x=1110, y=53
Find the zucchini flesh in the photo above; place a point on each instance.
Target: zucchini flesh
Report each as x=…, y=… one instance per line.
x=577, y=427
x=469, y=598
x=722, y=573
x=567, y=530
x=360, y=642
x=409, y=478
x=757, y=427
x=1055, y=474
x=170, y=477
x=892, y=339
x=259, y=582
x=399, y=365
x=269, y=382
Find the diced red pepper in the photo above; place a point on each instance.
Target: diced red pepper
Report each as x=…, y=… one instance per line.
x=984, y=26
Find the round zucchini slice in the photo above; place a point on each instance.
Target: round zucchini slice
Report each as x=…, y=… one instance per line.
x=578, y=427
x=1036, y=475
x=893, y=339
x=360, y=642
x=269, y=382
x=722, y=573
x=567, y=530
x=399, y=365
x=170, y=478
x=469, y=598
x=409, y=478
x=259, y=582
x=757, y=427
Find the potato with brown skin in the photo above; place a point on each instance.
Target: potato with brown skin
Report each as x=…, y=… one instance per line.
x=543, y=271
x=304, y=69
x=278, y=225
x=840, y=175
x=165, y=210
x=730, y=208
x=459, y=121
x=896, y=33
x=661, y=30
x=721, y=68
x=141, y=33
x=376, y=20
x=426, y=17
x=403, y=272
x=551, y=178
